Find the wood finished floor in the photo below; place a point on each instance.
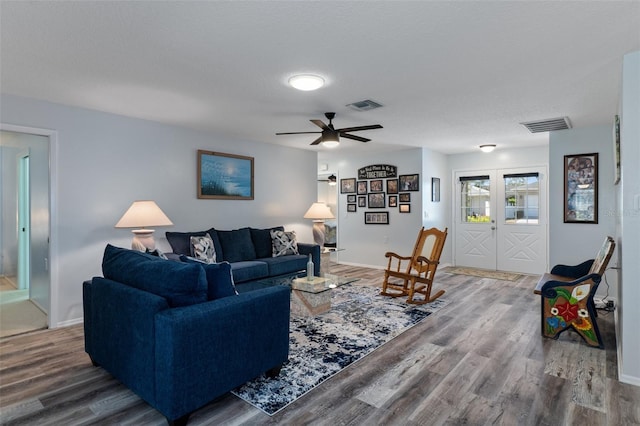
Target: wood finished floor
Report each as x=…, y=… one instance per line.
x=478, y=361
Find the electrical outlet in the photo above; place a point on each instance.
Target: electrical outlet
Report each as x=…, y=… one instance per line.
x=610, y=304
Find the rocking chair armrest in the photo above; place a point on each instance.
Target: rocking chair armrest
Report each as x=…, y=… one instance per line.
x=428, y=261
x=392, y=254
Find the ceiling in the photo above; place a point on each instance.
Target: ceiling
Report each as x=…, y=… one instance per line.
x=450, y=75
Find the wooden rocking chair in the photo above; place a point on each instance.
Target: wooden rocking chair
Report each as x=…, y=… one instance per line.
x=414, y=274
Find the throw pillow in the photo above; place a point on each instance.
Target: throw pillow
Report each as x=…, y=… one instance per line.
x=262, y=241
x=180, y=284
x=180, y=242
x=202, y=248
x=219, y=278
x=237, y=245
x=284, y=243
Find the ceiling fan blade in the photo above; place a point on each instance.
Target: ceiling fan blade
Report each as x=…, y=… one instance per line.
x=320, y=124
x=295, y=133
x=355, y=129
x=354, y=137
x=317, y=141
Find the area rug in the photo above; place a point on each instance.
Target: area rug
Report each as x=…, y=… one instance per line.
x=496, y=275
x=360, y=321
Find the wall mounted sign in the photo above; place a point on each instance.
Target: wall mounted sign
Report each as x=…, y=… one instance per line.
x=378, y=171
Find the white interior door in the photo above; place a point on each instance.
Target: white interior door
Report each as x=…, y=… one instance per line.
x=500, y=220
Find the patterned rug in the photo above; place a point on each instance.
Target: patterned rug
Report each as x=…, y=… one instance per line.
x=496, y=275
x=360, y=321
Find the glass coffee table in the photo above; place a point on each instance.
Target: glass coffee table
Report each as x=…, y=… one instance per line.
x=309, y=297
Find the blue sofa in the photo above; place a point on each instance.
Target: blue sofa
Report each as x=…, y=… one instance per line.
x=178, y=334
x=249, y=251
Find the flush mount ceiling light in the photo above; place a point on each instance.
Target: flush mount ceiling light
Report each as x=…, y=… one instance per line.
x=306, y=82
x=488, y=147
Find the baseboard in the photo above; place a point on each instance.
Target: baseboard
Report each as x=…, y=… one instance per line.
x=630, y=380
x=361, y=265
x=68, y=323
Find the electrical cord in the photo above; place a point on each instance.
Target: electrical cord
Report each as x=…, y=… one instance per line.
x=609, y=305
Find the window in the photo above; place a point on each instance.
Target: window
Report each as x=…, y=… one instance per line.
x=521, y=204
x=476, y=199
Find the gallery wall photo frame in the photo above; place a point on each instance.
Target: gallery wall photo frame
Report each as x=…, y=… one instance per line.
x=405, y=208
x=375, y=185
x=362, y=187
x=376, y=200
x=362, y=201
x=409, y=182
x=376, y=218
x=435, y=189
x=351, y=198
x=393, y=201
x=392, y=186
x=405, y=198
x=351, y=208
x=225, y=176
x=581, y=188
x=348, y=186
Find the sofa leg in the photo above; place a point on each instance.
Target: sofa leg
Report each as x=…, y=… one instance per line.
x=180, y=421
x=273, y=372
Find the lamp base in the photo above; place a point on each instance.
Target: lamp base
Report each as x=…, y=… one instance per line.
x=143, y=240
x=318, y=232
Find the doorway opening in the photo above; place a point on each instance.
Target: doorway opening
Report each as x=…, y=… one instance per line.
x=25, y=280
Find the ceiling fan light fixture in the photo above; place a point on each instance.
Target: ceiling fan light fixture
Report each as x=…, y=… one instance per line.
x=332, y=180
x=487, y=147
x=306, y=82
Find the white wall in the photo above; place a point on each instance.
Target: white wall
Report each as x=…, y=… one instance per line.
x=8, y=208
x=105, y=162
x=573, y=243
x=628, y=218
x=366, y=244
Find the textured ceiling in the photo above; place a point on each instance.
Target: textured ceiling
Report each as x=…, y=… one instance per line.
x=451, y=75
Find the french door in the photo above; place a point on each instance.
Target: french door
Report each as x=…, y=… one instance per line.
x=501, y=219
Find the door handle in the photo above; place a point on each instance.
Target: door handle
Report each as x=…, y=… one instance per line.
x=493, y=228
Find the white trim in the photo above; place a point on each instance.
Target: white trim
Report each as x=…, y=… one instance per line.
x=53, y=315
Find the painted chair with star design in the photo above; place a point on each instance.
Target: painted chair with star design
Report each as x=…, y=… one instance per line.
x=567, y=297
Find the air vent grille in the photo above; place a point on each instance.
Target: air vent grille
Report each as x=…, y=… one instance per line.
x=548, y=125
x=365, y=105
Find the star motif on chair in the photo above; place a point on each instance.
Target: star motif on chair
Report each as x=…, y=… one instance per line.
x=567, y=311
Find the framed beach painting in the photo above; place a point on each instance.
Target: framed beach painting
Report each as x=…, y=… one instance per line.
x=224, y=176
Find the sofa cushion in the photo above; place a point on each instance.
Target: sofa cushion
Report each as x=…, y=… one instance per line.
x=285, y=264
x=237, y=245
x=180, y=242
x=181, y=284
x=219, y=278
x=249, y=270
x=262, y=240
x=283, y=243
x=202, y=248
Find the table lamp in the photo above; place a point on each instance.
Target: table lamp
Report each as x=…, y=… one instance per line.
x=318, y=212
x=140, y=215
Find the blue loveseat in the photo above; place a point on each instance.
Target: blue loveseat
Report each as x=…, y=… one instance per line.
x=178, y=334
x=249, y=251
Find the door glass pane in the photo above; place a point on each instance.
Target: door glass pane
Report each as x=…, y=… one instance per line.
x=521, y=204
x=476, y=198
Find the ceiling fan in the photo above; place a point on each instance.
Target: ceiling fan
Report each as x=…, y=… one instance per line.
x=331, y=180
x=329, y=136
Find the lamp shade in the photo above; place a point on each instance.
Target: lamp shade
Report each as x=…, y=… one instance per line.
x=142, y=214
x=319, y=211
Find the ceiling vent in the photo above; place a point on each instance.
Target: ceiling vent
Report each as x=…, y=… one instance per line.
x=548, y=125
x=365, y=105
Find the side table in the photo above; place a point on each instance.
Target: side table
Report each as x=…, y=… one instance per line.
x=325, y=259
